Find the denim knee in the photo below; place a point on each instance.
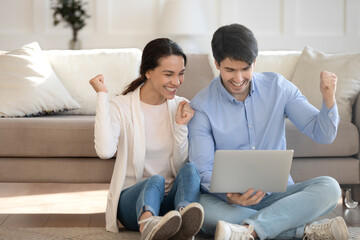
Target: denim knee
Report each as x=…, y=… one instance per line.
x=151, y=196
x=157, y=181
x=331, y=191
x=190, y=171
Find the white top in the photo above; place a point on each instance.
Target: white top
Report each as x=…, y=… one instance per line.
x=120, y=129
x=159, y=143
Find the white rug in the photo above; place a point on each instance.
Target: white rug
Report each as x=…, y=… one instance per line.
x=354, y=233
x=92, y=234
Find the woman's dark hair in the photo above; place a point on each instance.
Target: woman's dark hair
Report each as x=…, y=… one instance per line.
x=153, y=51
x=236, y=42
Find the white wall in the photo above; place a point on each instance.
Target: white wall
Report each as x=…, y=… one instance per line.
x=328, y=25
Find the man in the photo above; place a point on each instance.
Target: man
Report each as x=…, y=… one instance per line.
x=244, y=110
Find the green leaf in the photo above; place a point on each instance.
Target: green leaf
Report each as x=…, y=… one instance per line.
x=71, y=12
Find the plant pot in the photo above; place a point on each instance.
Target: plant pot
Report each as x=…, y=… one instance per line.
x=74, y=44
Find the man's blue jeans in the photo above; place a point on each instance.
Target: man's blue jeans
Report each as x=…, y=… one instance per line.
x=278, y=215
x=149, y=195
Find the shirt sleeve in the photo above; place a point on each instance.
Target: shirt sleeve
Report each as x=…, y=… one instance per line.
x=181, y=141
x=202, y=149
x=201, y=146
x=107, y=127
x=321, y=126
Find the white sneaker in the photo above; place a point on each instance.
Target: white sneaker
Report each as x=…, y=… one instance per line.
x=160, y=228
x=334, y=228
x=228, y=231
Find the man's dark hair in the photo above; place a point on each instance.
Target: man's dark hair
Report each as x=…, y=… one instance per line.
x=236, y=42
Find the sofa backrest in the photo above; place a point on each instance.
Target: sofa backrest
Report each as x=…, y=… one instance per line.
x=121, y=66
x=198, y=75
x=201, y=69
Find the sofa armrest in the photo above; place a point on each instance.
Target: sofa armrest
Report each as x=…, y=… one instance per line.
x=356, y=117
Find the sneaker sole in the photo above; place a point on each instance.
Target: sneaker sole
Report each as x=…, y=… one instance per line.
x=342, y=227
x=167, y=227
x=192, y=219
x=219, y=232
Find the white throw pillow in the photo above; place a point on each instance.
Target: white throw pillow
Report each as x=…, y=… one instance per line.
x=214, y=69
x=29, y=86
x=75, y=68
x=347, y=68
x=282, y=62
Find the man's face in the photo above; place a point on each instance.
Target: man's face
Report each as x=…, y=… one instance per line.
x=236, y=76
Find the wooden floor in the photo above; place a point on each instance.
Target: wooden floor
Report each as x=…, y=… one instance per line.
x=52, y=205
x=77, y=205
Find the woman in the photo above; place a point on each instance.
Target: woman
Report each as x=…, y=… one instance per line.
x=147, y=127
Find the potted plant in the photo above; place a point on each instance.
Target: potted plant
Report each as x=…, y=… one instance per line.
x=71, y=12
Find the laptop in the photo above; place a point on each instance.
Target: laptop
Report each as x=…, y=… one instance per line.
x=236, y=171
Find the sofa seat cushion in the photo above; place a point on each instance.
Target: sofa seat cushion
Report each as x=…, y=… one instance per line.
x=47, y=136
x=344, y=169
x=346, y=142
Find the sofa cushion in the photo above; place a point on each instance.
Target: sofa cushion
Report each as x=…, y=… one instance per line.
x=346, y=142
x=344, y=169
x=346, y=66
x=282, y=62
x=48, y=136
x=73, y=136
x=198, y=75
x=56, y=169
x=29, y=86
x=76, y=68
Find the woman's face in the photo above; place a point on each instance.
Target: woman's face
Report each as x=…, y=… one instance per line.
x=163, y=81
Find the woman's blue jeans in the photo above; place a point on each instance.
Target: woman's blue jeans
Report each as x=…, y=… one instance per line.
x=279, y=215
x=149, y=195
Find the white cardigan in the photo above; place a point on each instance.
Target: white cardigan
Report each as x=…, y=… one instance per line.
x=120, y=127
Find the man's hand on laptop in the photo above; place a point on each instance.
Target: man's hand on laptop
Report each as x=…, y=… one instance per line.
x=247, y=199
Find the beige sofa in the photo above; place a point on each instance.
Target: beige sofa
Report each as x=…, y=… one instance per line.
x=60, y=147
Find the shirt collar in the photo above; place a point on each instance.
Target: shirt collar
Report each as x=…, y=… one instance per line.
x=227, y=95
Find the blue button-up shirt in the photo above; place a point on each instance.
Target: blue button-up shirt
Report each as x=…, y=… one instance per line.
x=222, y=122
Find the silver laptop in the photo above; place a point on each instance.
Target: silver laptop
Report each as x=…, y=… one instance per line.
x=236, y=171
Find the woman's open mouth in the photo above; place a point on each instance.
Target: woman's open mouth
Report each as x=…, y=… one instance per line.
x=170, y=89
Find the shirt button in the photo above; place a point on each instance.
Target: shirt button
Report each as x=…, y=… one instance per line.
x=253, y=148
x=250, y=126
x=330, y=114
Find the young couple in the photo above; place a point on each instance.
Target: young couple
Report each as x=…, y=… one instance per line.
x=155, y=190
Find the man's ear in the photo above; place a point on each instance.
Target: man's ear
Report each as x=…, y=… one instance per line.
x=254, y=62
x=217, y=65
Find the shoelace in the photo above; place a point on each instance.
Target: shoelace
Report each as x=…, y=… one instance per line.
x=239, y=235
x=319, y=231
x=152, y=219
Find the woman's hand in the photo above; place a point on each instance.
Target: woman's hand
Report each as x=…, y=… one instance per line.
x=184, y=113
x=246, y=199
x=98, y=83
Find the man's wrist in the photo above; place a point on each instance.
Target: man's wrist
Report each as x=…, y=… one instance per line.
x=329, y=103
